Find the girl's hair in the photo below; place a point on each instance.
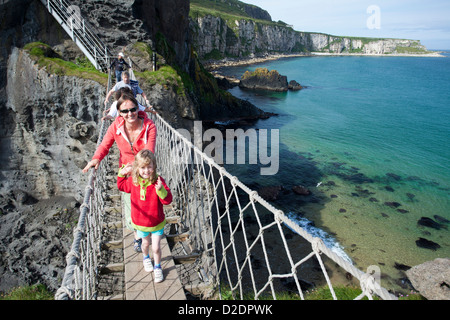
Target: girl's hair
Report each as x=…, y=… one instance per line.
x=121, y=91
x=125, y=96
x=143, y=158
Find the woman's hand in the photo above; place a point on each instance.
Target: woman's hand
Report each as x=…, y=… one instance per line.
x=92, y=163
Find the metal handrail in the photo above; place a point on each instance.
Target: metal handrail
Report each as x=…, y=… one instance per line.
x=69, y=17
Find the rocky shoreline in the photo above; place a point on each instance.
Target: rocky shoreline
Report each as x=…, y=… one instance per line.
x=214, y=65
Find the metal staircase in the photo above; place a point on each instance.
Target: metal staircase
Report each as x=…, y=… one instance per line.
x=69, y=17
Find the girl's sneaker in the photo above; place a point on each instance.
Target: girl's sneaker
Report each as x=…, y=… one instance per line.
x=159, y=277
x=148, y=266
x=137, y=245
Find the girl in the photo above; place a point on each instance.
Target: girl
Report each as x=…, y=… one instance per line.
x=149, y=193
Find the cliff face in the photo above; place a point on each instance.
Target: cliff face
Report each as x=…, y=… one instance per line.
x=48, y=133
x=51, y=128
x=215, y=37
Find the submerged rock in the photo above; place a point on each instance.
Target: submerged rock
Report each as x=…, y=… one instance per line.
x=427, y=244
x=300, y=190
x=393, y=176
x=410, y=196
x=270, y=193
x=402, y=267
x=440, y=219
x=392, y=204
x=356, y=178
x=430, y=223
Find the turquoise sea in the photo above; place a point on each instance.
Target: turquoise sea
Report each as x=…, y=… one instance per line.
x=370, y=138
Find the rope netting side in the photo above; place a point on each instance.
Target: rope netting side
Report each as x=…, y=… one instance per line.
x=247, y=245
x=81, y=273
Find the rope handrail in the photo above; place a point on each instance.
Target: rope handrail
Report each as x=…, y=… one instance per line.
x=80, y=276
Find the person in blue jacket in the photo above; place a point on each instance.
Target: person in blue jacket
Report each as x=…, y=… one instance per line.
x=119, y=65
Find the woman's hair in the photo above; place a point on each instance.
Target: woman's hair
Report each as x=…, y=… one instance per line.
x=143, y=158
x=125, y=96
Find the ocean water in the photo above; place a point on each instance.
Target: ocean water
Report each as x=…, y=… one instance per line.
x=370, y=138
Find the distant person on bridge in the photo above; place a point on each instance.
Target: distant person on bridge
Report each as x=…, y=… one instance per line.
x=149, y=192
x=127, y=82
x=119, y=66
x=132, y=131
x=112, y=111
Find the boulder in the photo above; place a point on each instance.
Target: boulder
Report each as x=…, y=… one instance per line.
x=294, y=85
x=270, y=193
x=301, y=190
x=432, y=279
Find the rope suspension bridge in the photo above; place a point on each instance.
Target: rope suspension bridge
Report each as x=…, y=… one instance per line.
x=228, y=235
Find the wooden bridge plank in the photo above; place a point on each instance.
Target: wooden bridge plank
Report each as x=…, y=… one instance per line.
x=139, y=285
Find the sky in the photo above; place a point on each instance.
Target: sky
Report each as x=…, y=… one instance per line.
x=424, y=20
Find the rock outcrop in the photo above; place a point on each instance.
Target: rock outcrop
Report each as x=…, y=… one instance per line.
x=263, y=79
x=432, y=279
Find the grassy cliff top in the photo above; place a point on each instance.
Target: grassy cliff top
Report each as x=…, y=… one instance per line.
x=227, y=10
x=46, y=58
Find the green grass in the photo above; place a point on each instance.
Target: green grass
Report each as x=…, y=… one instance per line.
x=167, y=77
x=46, y=58
x=322, y=293
x=33, y=292
x=230, y=11
x=411, y=50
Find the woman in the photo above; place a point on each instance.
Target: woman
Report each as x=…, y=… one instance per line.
x=132, y=131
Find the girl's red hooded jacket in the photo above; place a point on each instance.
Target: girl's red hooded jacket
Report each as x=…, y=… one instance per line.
x=147, y=212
